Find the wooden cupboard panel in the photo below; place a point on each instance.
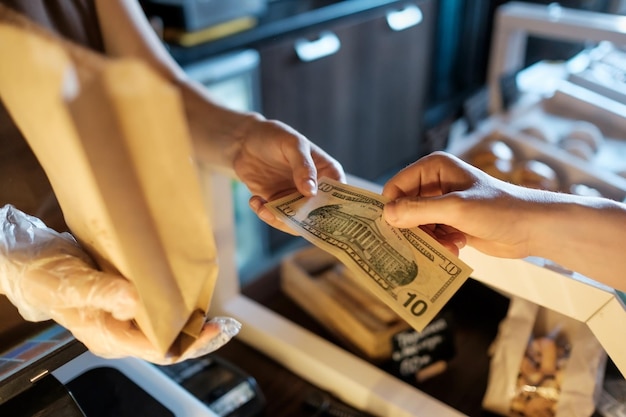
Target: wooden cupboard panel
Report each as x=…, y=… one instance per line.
x=363, y=103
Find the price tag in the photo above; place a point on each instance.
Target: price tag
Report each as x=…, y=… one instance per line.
x=414, y=351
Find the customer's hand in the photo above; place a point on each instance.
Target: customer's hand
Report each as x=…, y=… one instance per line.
x=46, y=275
x=459, y=204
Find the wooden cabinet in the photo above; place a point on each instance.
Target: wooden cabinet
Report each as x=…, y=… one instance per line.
x=355, y=86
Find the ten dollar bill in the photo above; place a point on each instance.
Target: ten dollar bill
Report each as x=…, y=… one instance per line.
x=406, y=268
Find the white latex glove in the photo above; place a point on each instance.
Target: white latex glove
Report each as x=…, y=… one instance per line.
x=46, y=275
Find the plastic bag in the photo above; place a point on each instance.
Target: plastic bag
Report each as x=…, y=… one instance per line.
x=543, y=364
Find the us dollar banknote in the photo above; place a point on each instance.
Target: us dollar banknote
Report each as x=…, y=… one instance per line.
x=406, y=268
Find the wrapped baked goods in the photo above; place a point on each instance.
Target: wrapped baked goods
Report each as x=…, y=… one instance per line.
x=543, y=364
x=540, y=376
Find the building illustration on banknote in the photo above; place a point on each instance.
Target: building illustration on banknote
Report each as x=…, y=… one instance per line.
x=359, y=237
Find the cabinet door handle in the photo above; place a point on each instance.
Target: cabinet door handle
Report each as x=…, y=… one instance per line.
x=327, y=44
x=403, y=19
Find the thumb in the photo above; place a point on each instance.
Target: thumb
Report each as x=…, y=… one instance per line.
x=303, y=168
x=410, y=212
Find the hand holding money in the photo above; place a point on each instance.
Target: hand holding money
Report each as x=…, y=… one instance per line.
x=406, y=268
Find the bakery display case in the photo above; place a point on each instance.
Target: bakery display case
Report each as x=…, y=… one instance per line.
x=560, y=150
x=573, y=131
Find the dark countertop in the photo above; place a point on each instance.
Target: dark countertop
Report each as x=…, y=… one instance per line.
x=461, y=386
x=281, y=18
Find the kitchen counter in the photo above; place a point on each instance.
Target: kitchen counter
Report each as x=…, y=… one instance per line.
x=282, y=17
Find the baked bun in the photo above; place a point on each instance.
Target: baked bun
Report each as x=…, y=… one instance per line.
x=578, y=148
x=536, y=174
x=541, y=133
x=584, y=190
x=585, y=132
x=494, y=157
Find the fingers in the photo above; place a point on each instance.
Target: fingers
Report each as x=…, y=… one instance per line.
x=216, y=333
x=421, y=178
x=257, y=204
x=327, y=166
x=410, y=212
x=104, y=335
x=308, y=162
x=67, y=282
x=435, y=174
x=432, y=215
x=451, y=246
x=297, y=152
x=49, y=270
x=109, y=293
x=109, y=338
x=115, y=295
x=450, y=237
x=405, y=183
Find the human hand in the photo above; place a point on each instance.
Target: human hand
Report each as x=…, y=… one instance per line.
x=46, y=275
x=459, y=204
x=275, y=160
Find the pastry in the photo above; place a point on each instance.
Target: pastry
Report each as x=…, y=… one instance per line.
x=585, y=132
x=536, y=174
x=577, y=147
x=541, y=133
x=494, y=157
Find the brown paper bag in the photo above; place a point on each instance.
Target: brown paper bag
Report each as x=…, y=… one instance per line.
x=565, y=379
x=111, y=135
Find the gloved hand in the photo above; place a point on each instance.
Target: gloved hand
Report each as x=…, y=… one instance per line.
x=46, y=275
